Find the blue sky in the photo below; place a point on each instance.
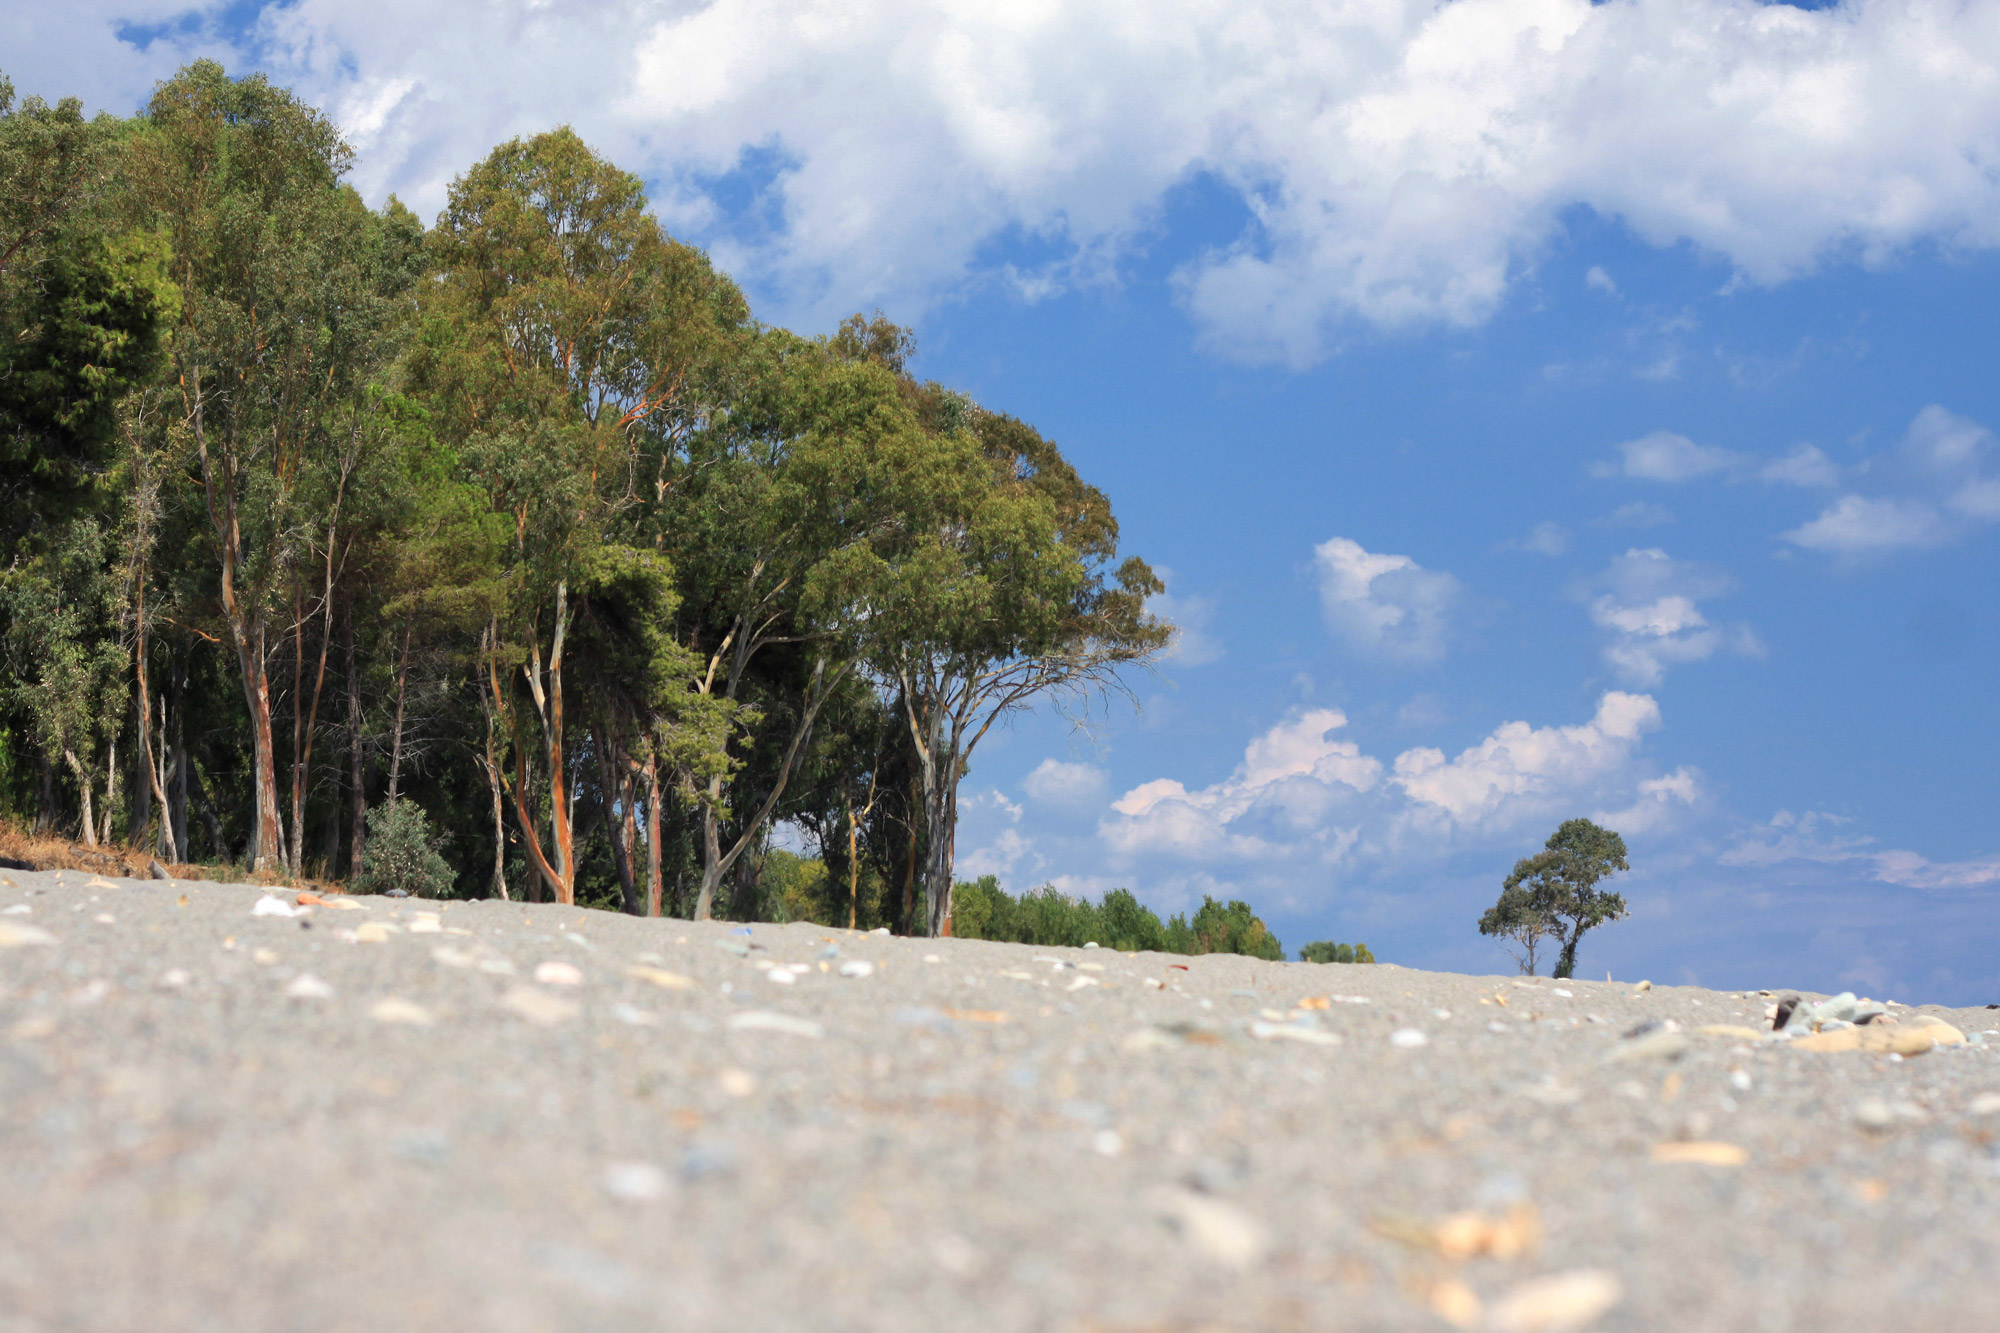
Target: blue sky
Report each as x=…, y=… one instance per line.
x=1540, y=408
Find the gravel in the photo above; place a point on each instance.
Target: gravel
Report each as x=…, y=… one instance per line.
x=405, y=1114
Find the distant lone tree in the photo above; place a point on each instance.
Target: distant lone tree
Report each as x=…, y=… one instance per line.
x=1554, y=895
x=1326, y=951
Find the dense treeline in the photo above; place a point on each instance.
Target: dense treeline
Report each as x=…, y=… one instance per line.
x=983, y=910
x=521, y=517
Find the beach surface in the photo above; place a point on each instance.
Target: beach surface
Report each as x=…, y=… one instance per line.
x=222, y=1108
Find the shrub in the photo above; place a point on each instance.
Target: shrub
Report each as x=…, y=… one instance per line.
x=982, y=910
x=402, y=853
x=1326, y=951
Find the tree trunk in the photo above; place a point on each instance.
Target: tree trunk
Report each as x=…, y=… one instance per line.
x=941, y=824
x=83, y=785
x=549, y=704
x=267, y=839
x=145, y=780
x=181, y=763
x=652, y=835
x=490, y=761
x=396, y=743
x=357, y=759
x=207, y=808
x=615, y=790
x=110, y=790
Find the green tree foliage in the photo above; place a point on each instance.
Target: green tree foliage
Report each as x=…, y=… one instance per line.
x=403, y=853
x=316, y=519
x=1327, y=951
x=983, y=910
x=1554, y=895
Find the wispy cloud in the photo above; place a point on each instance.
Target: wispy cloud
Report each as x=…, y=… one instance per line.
x=1384, y=608
x=1649, y=604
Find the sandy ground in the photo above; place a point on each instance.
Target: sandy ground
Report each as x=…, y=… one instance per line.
x=408, y=1115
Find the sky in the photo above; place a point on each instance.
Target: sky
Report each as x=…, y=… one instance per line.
x=1535, y=408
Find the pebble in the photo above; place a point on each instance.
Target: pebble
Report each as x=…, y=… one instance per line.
x=855, y=967
x=395, y=1010
x=634, y=1182
x=736, y=1082
x=1700, y=1153
x=373, y=932
x=1557, y=1304
x=558, y=974
x=783, y=976
x=13, y=936
x=762, y=1020
x=18, y=909
x=660, y=977
x=1294, y=1032
x=306, y=986
x=1661, y=1043
x=1214, y=1228
x=539, y=1007
x=1875, y=1113
x=174, y=978
x=1408, y=1039
x=269, y=906
x=1986, y=1103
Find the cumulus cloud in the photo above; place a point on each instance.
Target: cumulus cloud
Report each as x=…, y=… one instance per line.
x=1403, y=161
x=1936, y=486
x=1055, y=782
x=1649, y=603
x=1659, y=802
x=1294, y=775
x=1385, y=608
x=1520, y=770
x=1546, y=538
x=1665, y=456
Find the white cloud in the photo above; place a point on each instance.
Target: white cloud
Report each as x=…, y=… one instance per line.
x=1932, y=489
x=1649, y=602
x=1546, y=538
x=1404, y=161
x=1055, y=782
x=1665, y=456
x=1520, y=771
x=1600, y=281
x=1660, y=801
x=1292, y=776
x=1817, y=837
x=1192, y=644
x=1638, y=514
x=1384, y=607
x=1865, y=525
x=1804, y=466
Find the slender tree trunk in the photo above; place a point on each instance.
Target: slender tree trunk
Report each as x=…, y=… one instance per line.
x=207, y=808
x=715, y=862
x=145, y=783
x=267, y=839
x=181, y=764
x=357, y=758
x=45, y=807
x=110, y=790
x=548, y=697
x=616, y=791
x=652, y=835
x=83, y=785
x=490, y=761
x=396, y=744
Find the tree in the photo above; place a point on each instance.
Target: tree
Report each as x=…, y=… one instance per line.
x=1554, y=895
x=1006, y=593
x=284, y=301
x=1327, y=951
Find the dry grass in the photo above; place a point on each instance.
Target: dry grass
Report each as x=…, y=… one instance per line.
x=46, y=852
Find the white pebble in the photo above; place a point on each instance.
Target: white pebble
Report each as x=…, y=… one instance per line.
x=1408, y=1039
x=558, y=974
x=855, y=967
x=306, y=986
x=634, y=1182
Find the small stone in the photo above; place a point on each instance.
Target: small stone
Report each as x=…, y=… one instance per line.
x=539, y=1007
x=1408, y=1039
x=263, y=957
x=18, y=909
x=1700, y=1153
x=269, y=906
x=174, y=978
x=1644, y=985
x=306, y=986
x=736, y=1082
x=451, y=957
x=879, y=930
x=855, y=967
x=424, y=923
x=1454, y=1302
x=372, y=932
x=761, y=1020
x=558, y=974
x=14, y=936
x=394, y=1010
x=634, y=1182
x=783, y=976
x=1496, y=1026
x=105, y=919
x=638, y=1018
x=1293, y=1032
x=1557, y=1304
x=1107, y=1142
x=1663, y=1043
x=1736, y=1030
x=1558, y=990
x=660, y=977
x=1215, y=1228
x=932, y=958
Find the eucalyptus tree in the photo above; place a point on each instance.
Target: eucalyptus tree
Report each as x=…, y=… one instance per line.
x=1554, y=895
x=566, y=336
x=1009, y=592
x=288, y=284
